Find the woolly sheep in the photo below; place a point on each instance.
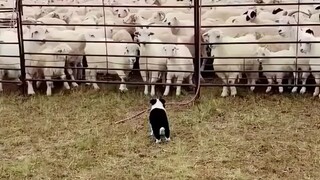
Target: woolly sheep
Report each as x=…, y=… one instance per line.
x=232, y=50
x=309, y=48
x=114, y=64
x=144, y=34
x=50, y=60
x=178, y=64
x=9, y=62
x=281, y=65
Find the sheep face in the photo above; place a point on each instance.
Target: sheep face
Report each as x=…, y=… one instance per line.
x=171, y=21
x=213, y=36
x=131, y=19
x=62, y=48
x=38, y=33
x=262, y=52
x=121, y=12
x=170, y=50
x=131, y=50
x=143, y=34
x=157, y=17
x=305, y=46
x=285, y=31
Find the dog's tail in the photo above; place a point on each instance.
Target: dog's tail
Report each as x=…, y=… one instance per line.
x=162, y=131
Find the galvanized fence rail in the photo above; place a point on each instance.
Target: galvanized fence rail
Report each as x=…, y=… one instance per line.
x=198, y=43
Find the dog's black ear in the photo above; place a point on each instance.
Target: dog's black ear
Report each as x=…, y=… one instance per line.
x=153, y=101
x=162, y=101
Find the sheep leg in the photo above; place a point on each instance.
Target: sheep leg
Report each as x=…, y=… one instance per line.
x=225, y=81
x=30, y=87
x=232, y=79
x=317, y=79
x=179, y=81
x=49, y=85
x=252, y=78
x=122, y=75
x=88, y=74
x=154, y=78
x=92, y=76
x=169, y=81
x=295, y=78
x=304, y=79
x=94, y=79
x=74, y=84
x=279, y=81
x=65, y=84
x=145, y=78
x=269, y=83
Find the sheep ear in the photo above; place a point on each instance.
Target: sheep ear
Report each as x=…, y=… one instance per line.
x=46, y=31
x=60, y=51
x=153, y=101
x=204, y=35
x=175, y=18
x=151, y=33
x=245, y=13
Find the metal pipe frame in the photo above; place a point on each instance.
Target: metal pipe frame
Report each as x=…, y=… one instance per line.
x=197, y=41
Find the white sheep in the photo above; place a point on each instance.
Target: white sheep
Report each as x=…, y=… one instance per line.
x=110, y=63
x=11, y=63
x=50, y=60
x=292, y=33
x=311, y=49
x=282, y=66
x=143, y=35
x=178, y=64
x=237, y=65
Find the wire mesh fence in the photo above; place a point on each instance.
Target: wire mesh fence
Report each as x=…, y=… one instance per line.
x=199, y=43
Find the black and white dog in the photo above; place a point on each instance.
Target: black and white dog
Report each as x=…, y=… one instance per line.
x=158, y=120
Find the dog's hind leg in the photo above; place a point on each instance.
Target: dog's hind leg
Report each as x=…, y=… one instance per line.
x=156, y=134
x=167, y=133
x=151, y=132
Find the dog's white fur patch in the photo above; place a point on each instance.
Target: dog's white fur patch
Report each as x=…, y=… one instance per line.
x=158, y=105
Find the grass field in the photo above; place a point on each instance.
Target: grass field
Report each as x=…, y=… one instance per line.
x=73, y=136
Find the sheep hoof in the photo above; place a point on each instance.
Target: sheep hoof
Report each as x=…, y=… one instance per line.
x=75, y=85
x=31, y=93
x=302, y=90
x=123, y=90
x=252, y=88
x=268, y=89
x=294, y=90
x=168, y=139
x=158, y=141
x=224, y=94
x=315, y=94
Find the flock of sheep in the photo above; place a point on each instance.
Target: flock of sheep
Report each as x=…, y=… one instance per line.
x=125, y=43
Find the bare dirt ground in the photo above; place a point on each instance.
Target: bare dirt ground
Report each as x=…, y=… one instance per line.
x=72, y=135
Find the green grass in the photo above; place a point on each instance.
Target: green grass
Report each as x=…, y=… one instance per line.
x=73, y=136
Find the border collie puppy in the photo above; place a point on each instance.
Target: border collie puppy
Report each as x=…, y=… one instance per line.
x=158, y=120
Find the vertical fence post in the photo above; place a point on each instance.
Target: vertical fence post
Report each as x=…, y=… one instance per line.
x=21, y=46
x=197, y=45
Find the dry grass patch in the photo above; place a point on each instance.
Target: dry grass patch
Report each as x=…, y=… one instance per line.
x=72, y=136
